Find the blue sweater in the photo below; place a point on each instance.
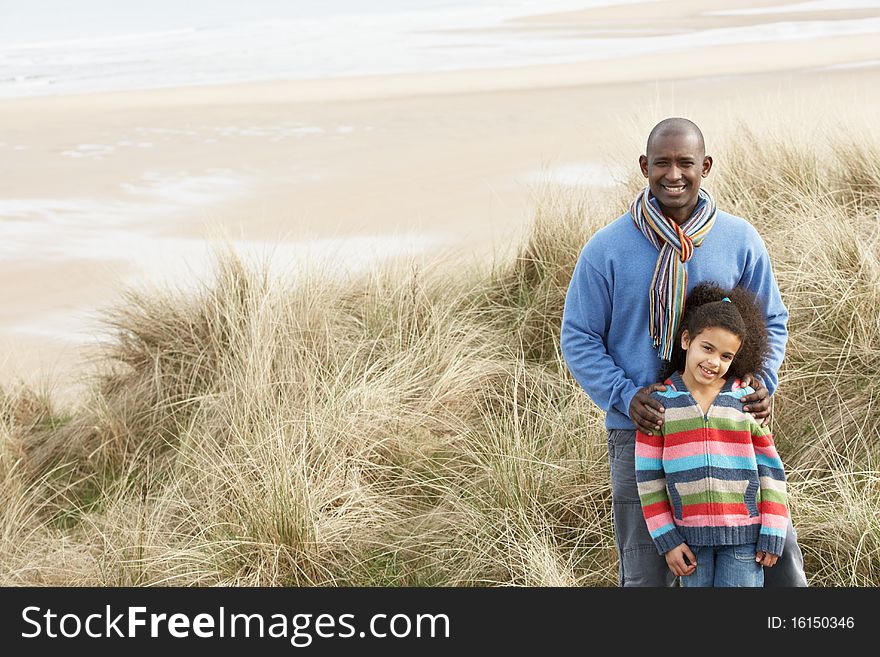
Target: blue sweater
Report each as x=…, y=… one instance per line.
x=605, y=339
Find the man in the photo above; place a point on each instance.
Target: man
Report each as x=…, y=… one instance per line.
x=622, y=308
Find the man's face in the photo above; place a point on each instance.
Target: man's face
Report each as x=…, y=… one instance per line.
x=675, y=166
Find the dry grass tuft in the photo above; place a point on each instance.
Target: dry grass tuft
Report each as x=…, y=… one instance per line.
x=417, y=426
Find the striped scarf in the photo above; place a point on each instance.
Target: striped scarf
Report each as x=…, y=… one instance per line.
x=669, y=284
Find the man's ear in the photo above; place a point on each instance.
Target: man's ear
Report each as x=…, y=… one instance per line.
x=643, y=165
x=685, y=340
x=707, y=166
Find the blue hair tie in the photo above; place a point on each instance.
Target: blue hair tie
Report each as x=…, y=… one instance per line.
x=726, y=299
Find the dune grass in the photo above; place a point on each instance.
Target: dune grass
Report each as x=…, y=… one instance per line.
x=416, y=426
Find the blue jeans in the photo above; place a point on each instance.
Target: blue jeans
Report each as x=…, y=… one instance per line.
x=725, y=566
x=639, y=562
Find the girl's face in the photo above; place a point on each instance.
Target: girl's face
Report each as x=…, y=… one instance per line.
x=708, y=355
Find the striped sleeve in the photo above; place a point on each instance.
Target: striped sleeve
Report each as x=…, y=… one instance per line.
x=651, y=480
x=773, y=500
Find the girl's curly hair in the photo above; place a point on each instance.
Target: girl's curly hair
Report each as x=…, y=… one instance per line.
x=704, y=309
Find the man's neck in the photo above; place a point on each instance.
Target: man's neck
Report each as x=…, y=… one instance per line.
x=679, y=215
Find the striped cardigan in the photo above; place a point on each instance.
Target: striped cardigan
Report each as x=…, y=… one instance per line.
x=713, y=479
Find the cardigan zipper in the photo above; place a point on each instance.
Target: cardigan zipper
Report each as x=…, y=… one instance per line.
x=708, y=459
x=708, y=462
x=705, y=417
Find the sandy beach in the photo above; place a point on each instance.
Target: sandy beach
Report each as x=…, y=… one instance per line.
x=110, y=189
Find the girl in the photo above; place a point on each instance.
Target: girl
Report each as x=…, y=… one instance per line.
x=711, y=484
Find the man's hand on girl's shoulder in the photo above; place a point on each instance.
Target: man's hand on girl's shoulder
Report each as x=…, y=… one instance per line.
x=758, y=402
x=647, y=413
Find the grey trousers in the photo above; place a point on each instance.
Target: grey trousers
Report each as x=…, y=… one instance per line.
x=640, y=563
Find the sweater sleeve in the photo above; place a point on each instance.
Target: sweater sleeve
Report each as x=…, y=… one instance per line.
x=758, y=278
x=773, y=499
x=651, y=480
x=585, y=320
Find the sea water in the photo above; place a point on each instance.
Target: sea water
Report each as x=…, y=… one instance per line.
x=64, y=47
x=58, y=46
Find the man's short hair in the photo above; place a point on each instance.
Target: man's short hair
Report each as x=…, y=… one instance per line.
x=676, y=125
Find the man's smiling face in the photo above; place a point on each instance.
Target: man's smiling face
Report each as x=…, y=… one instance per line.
x=675, y=165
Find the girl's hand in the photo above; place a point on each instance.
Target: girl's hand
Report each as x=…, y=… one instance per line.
x=766, y=559
x=675, y=559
